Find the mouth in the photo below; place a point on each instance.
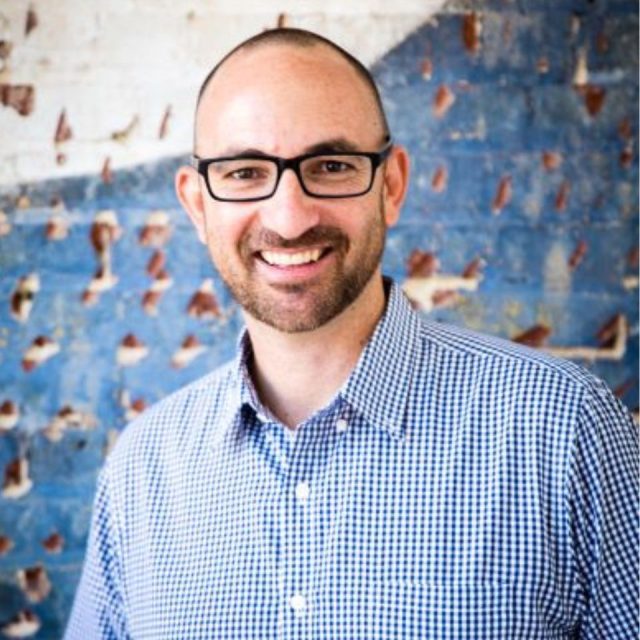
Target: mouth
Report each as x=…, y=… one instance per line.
x=288, y=259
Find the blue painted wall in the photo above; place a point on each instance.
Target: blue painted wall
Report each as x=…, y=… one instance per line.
x=507, y=112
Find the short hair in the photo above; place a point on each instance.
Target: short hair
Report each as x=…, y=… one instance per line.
x=302, y=38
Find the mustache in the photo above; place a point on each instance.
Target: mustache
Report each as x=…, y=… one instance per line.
x=265, y=239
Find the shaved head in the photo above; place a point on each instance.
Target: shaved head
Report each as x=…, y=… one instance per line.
x=299, y=38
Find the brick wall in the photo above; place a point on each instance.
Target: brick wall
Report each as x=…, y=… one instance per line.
x=521, y=120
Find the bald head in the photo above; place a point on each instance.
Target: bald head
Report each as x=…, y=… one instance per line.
x=304, y=41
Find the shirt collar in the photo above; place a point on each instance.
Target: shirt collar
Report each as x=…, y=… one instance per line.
x=378, y=387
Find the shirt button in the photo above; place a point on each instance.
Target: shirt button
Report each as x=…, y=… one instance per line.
x=342, y=425
x=303, y=491
x=298, y=603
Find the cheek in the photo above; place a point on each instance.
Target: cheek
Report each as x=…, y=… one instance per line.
x=224, y=230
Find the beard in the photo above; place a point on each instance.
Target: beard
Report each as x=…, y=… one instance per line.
x=306, y=306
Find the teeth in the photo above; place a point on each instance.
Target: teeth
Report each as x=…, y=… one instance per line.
x=286, y=259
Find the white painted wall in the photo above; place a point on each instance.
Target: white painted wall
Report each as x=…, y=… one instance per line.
x=108, y=62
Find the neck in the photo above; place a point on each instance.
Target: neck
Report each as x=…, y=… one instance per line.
x=296, y=374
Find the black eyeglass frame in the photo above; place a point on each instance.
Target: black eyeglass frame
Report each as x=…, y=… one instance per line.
x=376, y=158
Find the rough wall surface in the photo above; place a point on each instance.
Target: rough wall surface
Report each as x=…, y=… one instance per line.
x=521, y=120
x=123, y=71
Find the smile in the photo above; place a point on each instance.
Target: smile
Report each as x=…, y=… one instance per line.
x=280, y=259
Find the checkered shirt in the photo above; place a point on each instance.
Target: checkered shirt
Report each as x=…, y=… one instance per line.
x=457, y=486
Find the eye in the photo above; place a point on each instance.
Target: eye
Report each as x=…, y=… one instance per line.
x=324, y=165
x=334, y=166
x=246, y=173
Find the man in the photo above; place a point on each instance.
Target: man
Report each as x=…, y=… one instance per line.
x=356, y=472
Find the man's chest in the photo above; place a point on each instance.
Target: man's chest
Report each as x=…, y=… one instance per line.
x=360, y=538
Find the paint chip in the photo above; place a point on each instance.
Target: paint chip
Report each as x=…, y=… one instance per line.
x=123, y=135
x=57, y=228
x=24, y=624
x=203, y=303
x=626, y=157
x=156, y=231
x=31, y=22
x=9, y=415
x=156, y=263
x=34, y=582
x=504, y=193
x=625, y=129
x=41, y=349
x=443, y=101
x=20, y=97
x=23, y=297
x=608, y=332
x=5, y=49
x=131, y=351
x=133, y=408
x=16, y=479
x=562, y=196
x=551, y=160
x=6, y=544
x=440, y=179
x=542, y=65
x=190, y=349
x=164, y=124
x=422, y=264
x=474, y=268
x=581, y=72
x=68, y=418
x=53, y=543
x=106, y=174
x=578, y=254
x=426, y=69
x=150, y=300
x=594, y=98
x=63, y=130
x=105, y=230
x=471, y=30
x=536, y=336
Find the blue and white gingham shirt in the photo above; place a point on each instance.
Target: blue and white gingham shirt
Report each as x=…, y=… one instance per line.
x=458, y=486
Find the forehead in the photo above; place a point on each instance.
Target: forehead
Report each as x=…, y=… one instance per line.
x=281, y=99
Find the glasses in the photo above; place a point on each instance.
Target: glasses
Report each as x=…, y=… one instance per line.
x=252, y=177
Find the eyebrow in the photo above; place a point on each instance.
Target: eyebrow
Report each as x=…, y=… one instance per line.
x=332, y=145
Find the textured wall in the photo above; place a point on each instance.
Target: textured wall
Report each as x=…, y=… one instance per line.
x=123, y=71
x=521, y=119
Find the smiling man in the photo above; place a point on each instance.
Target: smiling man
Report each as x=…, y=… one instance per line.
x=356, y=472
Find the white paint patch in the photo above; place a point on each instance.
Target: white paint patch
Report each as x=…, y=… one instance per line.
x=106, y=63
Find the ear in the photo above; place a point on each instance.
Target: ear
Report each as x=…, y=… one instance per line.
x=396, y=182
x=187, y=183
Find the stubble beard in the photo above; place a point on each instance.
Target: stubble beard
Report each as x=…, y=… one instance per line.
x=319, y=302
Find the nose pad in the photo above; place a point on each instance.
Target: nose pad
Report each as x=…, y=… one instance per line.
x=290, y=211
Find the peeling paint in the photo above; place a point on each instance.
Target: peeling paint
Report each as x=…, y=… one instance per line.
x=504, y=193
x=20, y=97
x=34, y=583
x=443, y=101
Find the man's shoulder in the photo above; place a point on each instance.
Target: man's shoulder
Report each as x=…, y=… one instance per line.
x=497, y=354
x=171, y=422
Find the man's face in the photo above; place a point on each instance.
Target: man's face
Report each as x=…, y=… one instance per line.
x=293, y=262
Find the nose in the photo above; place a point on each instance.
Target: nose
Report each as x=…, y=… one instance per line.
x=290, y=211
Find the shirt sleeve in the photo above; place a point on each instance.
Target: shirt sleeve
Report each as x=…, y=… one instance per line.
x=603, y=517
x=98, y=609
